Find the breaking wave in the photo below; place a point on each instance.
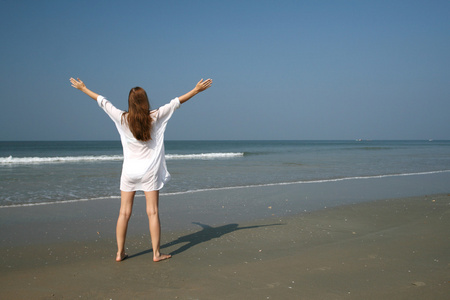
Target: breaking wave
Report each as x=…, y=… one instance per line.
x=95, y=158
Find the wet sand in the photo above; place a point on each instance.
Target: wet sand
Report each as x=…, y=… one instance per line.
x=391, y=249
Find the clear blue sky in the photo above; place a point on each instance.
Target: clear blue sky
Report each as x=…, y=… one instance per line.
x=281, y=69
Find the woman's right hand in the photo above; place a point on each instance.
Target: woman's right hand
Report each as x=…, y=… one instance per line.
x=200, y=87
x=203, y=85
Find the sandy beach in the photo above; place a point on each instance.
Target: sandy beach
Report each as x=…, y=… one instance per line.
x=391, y=249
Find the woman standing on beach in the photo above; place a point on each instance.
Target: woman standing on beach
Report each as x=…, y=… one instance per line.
x=144, y=166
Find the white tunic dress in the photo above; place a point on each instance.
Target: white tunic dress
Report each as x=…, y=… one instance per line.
x=144, y=164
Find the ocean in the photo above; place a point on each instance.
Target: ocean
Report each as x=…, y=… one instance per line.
x=36, y=173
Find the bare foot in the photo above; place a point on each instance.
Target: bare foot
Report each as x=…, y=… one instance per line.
x=161, y=257
x=121, y=256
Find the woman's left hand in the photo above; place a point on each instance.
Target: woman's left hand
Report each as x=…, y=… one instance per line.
x=77, y=83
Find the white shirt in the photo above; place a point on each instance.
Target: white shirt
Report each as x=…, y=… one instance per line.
x=144, y=164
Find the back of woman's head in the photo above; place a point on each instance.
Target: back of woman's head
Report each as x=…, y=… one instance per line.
x=138, y=116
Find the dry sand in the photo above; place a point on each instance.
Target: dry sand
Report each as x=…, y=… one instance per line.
x=389, y=249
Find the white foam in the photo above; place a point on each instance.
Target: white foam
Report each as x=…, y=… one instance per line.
x=59, y=202
x=305, y=182
x=71, y=159
x=204, y=155
x=57, y=159
x=240, y=187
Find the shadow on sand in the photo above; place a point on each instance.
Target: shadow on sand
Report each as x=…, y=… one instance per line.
x=206, y=234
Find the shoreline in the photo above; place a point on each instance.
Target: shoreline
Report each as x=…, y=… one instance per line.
x=262, y=185
x=395, y=248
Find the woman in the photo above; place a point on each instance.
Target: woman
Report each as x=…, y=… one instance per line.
x=144, y=165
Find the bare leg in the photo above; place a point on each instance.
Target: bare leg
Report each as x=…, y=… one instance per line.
x=154, y=224
x=126, y=207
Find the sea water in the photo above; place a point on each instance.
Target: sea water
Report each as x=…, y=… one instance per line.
x=34, y=173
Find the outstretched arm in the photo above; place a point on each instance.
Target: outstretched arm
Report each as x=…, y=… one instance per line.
x=78, y=84
x=200, y=87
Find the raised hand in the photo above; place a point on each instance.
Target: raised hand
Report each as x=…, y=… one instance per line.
x=203, y=85
x=77, y=83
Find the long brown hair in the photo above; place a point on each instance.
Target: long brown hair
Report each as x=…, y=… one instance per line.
x=138, y=115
